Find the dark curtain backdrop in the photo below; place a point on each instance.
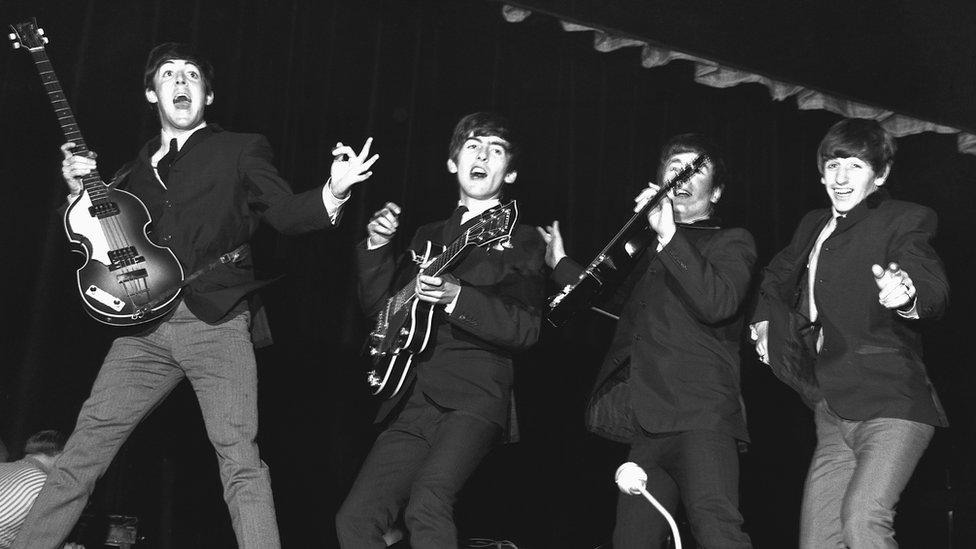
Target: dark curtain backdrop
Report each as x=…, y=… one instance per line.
x=309, y=73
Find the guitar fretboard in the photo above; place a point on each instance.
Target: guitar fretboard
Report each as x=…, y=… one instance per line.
x=66, y=119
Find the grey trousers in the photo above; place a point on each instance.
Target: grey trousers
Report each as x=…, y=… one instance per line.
x=138, y=373
x=858, y=471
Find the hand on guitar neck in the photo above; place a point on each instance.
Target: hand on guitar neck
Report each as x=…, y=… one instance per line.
x=661, y=216
x=74, y=167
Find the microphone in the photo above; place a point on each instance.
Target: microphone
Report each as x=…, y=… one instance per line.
x=632, y=480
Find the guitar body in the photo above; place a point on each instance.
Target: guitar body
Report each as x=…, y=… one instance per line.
x=408, y=336
x=114, y=291
x=403, y=327
x=126, y=279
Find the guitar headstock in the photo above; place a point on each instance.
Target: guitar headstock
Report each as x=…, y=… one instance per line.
x=494, y=225
x=690, y=169
x=28, y=35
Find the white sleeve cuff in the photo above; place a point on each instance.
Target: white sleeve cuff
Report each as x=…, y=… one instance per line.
x=333, y=205
x=449, y=308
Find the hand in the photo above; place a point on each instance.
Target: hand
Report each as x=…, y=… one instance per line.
x=383, y=225
x=349, y=168
x=660, y=217
x=437, y=289
x=759, y=332
x=895, y=287
x=74, y=167
x=554, y=243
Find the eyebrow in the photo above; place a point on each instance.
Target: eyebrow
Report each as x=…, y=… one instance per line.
x=492, y=140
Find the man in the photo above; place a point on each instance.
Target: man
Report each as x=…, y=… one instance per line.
x=217, y=187
x=20, y=481
x=862, y=273
x=456, y=401
x=669, y=385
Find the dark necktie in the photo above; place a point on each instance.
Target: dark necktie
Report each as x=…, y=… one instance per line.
x=164, y=164
x=452, y=228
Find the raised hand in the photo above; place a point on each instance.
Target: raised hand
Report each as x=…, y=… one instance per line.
x=895, y=287
x=554, y=243
x=350, y=167
x=383, y=225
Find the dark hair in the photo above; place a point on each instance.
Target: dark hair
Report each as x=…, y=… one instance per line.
x=49, y=443
x=169, y=51
x=481, y=124
x=699, y=144
x=858, y=138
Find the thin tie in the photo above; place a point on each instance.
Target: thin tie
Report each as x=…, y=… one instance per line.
x=164, y=164
x=812, y=263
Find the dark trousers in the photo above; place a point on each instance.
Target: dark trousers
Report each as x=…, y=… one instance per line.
x=418, y=464
x=697, y=468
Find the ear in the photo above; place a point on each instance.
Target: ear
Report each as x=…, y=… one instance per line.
x=151, y=96
x=880, y=180
x=510, y=177
x=716, y=194
x=452, y=166
x=210, y=97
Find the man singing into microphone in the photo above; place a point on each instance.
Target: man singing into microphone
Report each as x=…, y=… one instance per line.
x=859, y=275
x=669, y=386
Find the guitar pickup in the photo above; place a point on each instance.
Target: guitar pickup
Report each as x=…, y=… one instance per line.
x=131, y=275
x=123, y=257
x=103, y=209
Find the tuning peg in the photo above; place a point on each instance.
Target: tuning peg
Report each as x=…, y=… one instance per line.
x=40, y=31
x=16, y=45
x=12, y=36
x=45, y=40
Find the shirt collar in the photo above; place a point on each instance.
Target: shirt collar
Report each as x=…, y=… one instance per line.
x=477, y=208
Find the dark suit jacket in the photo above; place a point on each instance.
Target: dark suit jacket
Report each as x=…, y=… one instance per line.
x=468, y=363
x=220, y=186
x=673, y=364
x=870, y=365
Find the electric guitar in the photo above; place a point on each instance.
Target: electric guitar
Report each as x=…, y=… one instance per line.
x=617, y=257
x=403, y=327
x=126, y=279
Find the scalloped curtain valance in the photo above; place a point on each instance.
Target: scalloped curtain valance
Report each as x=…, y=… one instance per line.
x=711, y=73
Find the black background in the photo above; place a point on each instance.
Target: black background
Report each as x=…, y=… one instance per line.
x=309, y=73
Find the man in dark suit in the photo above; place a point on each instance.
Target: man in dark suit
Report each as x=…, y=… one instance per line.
x=456, y=399
x=862, y=273
x=669, y=385
x=207, y=190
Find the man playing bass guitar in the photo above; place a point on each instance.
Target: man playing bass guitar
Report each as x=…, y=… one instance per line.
x=669, y=385
x=455, y=400
x=206, y=190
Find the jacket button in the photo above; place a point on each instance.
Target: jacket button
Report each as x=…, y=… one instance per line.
x=637, y=337
x=166, y=237
x=167, y=203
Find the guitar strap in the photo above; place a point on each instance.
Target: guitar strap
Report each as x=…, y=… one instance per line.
x=229, y=257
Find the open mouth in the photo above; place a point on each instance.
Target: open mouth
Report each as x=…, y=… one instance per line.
x=681, y=194
x=842, y=192
x=478, y=172
x=181, y=101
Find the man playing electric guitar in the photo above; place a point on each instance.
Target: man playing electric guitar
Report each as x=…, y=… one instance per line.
x=669, y=385
x=456, y=399
x=206, y=190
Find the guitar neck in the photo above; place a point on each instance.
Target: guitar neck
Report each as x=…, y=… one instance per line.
x=66, y=119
